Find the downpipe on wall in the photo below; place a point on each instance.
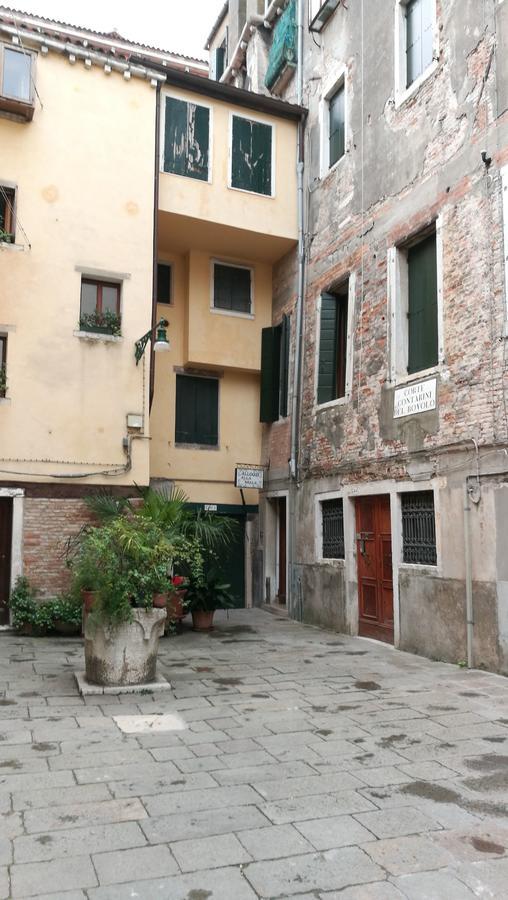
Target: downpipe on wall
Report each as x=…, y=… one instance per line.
x=296, y=598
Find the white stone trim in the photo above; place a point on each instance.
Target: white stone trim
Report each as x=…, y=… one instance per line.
x=18, y=496
x=318, y=528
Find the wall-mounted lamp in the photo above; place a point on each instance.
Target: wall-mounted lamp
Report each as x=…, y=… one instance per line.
x=161, y=341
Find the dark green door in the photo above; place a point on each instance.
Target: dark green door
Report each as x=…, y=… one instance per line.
x=232, y=563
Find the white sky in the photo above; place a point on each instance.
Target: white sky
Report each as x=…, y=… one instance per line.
x=177, y=25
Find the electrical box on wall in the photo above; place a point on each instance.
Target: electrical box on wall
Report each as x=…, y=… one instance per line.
x=135, y=422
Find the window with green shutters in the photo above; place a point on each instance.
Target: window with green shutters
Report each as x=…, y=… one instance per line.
x=419, y=38
x=186, y=139
x=232, y=288
x=275, y=350
x=197, y=410
x=332, y=347
x=337, y=124
x=422, y=309
x=251, y=156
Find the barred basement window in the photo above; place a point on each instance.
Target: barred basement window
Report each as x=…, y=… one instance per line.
x=419, y=528
x=332, y=517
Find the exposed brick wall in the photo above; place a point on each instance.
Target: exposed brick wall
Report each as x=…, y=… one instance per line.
x=47, y=526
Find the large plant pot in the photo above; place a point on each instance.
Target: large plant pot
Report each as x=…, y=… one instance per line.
x=175, y=608
x=88, y=598
x=202, y=620
x=127, y=654
x=160, y=601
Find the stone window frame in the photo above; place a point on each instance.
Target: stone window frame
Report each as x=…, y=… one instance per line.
x=413, y=488
x=339, y=401
x=398, y=304
x=402, y=92
x=216, y=310
x=319, y=499
x=337, y=80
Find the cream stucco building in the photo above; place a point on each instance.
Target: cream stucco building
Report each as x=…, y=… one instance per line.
x=132, y=189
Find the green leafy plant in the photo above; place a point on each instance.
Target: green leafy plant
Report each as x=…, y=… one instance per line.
x=106, y=322
x=23, y=603
x=207, y=592
x=5, y=236
x=41, y=616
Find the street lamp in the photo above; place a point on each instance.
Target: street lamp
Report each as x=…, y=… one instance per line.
x=161, y=341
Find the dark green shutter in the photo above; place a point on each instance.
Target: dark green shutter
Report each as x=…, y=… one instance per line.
x=186, y=139
x=284, y=365
x=197, y=410
x=219, y=61
x=337, y=125
x=163, y=283
x=232, y=288
x=423, y=350
x=327, y=366
x=270, y=373
x=251, y=158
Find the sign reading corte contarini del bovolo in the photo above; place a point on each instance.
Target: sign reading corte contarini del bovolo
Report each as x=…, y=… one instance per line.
x=415, y=398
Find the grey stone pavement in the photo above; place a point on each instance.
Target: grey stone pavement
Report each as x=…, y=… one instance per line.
x=307, y=764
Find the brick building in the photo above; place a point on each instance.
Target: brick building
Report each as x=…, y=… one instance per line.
x=385, y=511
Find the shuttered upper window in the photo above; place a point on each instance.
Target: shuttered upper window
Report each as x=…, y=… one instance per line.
x=275, y=348
x=332, y=347
x=419, y=38
x=251, y=156
x=232, y=288
x=197, y=410
x=422, y=312
x=337, y=123
x=163, y=283
x=186, y=139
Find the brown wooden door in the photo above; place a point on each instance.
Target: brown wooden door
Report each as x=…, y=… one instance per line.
x=282, y=587
x=375, y=578
x=5, y=557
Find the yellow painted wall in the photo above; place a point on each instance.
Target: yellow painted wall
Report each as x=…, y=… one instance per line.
x=84, y=168
x=207, y=476
x=215, y=201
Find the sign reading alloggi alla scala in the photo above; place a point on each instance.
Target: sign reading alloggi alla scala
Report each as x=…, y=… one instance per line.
x=415, y=398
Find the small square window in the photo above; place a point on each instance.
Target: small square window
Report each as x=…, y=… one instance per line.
x=100, y=307
x=419, y=528
x=164, y=283
x=232, y=288
x=197, y=410
x=3, y=365
x=332, y=524
x=251, y=156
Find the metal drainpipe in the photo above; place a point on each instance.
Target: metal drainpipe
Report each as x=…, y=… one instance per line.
x=295, y=593
x=155, y=235
x=469, y=576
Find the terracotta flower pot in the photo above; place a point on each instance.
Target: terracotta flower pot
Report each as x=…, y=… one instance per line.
x=88, y=598
x=160, y=601
x=202, y=619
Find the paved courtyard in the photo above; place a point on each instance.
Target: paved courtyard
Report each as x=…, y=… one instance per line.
x=307, y=765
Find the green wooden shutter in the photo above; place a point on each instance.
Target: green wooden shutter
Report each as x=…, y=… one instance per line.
x=197, y=410
x=284, y=365
x=251, y=157
x=232, y=288
x=219, y=63
x=186, y=139
x=270, y=374
x=423, y=351
x=337, y=125
x=327, y=365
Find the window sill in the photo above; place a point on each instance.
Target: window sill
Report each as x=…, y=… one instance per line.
x=14, y=248
x=231, y=312
x=403, y=380
x=402, y=97
x=419, y=568
x=327, y=173
x=336, y=563
x=5, y=401
x=213, y=447
x=187, y=177
x=231, y=187
x=340, y=401
x=95, y=336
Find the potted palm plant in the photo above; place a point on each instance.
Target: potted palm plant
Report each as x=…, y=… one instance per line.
x=206, y=593
x=132, y=559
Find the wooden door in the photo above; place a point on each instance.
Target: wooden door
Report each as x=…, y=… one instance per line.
x=5, y=557
x=375, y=578
x=282, y=587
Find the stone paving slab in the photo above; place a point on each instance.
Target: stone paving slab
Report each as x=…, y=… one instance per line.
x=307, y=765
